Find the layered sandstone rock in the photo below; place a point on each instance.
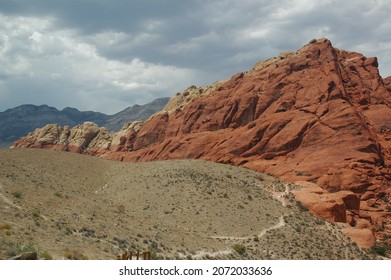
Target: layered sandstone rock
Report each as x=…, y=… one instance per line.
x=319, y=114
x=86, y=138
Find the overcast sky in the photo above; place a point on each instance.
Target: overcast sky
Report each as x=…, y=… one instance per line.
x=106, y=55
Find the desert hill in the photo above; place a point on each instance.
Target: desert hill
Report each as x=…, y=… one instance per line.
x=66, y=205
x=320, y=114
x=18, y=121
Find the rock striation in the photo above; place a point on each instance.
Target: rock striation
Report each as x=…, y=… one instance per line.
x=319, y=115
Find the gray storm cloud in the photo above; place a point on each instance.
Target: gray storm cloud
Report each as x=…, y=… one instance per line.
x=107, y=55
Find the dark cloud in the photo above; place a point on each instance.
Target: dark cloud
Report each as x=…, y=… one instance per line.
x=92, y=16
x=123, y=52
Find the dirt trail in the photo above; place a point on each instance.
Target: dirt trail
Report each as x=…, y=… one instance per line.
x=279, y=224
x=214, y=254
x=211, y=254
x=281, y=196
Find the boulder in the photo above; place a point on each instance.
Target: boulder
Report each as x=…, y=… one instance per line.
x=363, y=237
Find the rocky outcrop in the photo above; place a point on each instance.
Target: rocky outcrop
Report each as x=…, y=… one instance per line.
x=331, y=206
x=181, y=99
x=79, y=139
x=86, y=138
x=363, y=237
x=319, y=114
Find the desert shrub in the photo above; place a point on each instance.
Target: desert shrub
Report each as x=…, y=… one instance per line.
x=36, y=213
x=74, y=255
x=301, y=173
x=297, y=228
x=5, y=226
x=121, y=208
x=12, y=249
x=58, y=194
x=17, y=194
x=239, y=248
x=380, y=250
x=301, y=207
x=46, y=255
x=153, y=249
x=68, y=231
x=26, y=248
x=87, y=232
x=122, y=243
x=9, y=248
x=320, y=222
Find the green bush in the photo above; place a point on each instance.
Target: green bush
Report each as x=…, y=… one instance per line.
x=46, y=255
x=239, y=248
x=17, y=194
x=381, y=249
x=58, y=194
x=26, y=248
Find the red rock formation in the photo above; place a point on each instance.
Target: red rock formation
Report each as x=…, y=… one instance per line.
x=319, y=114
x=362, y=236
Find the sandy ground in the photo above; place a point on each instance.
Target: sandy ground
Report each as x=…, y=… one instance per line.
x=72, y=206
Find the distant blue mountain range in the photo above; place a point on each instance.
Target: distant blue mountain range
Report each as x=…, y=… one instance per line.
x=19, y=121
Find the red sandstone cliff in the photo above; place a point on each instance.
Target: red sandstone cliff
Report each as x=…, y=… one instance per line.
x=319, y=114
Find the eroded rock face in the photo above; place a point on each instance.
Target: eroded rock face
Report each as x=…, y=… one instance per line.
x=319, y=114
x=85, y=138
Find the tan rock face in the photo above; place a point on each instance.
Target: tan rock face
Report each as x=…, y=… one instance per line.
x=181, y=99
x=319, y=114
x=85, y=138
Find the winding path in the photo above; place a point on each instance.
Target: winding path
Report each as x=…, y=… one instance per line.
x=280, y=196
x=279, y=224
